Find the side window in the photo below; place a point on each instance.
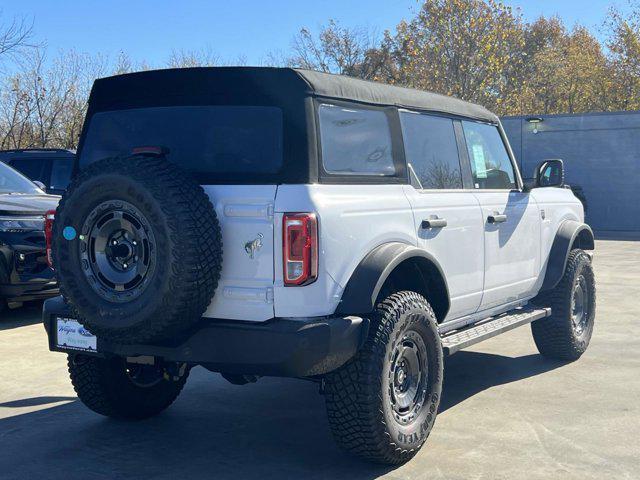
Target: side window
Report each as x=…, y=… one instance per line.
x=490, y=164
x=61, y=171
x=355, y=141
x=431, y=149
x=30, y=167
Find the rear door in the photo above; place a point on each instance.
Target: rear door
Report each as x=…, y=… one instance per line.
x=511, y=218
x=245, y=289
x=448, y=221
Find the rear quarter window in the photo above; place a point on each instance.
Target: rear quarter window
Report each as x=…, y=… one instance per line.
x=355, y=141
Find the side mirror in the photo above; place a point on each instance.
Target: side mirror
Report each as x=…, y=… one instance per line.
x=40, y=185
x=550, y=173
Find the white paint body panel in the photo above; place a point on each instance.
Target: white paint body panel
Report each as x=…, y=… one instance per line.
x=512, y=248
x=487, y=268
x=352, y=221
x=245, y=290
x=556, y=205
x=458, y=247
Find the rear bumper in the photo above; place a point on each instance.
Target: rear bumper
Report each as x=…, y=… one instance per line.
x=279, y=347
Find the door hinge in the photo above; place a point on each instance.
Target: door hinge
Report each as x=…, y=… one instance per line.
x=269, y=295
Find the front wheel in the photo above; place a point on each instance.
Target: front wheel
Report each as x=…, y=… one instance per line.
x=382, y=404
x=565, y=335
x=115, y=388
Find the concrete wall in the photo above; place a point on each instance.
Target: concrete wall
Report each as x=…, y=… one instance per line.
x=601, y=153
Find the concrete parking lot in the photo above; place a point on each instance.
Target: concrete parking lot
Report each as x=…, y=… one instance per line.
x=507, y=412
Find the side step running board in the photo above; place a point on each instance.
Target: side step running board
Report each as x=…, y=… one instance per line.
x=485, y=329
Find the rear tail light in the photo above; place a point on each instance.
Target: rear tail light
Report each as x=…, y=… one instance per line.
x=299, y=248
x=48, y=233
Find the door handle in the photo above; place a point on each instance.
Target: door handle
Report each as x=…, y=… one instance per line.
x=433, y=223
x=497, y=218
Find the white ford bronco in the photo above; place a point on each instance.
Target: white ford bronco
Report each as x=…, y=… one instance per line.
x=281, y=222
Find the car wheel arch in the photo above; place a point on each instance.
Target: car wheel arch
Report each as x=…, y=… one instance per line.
x=392, y=264
x=571, y=234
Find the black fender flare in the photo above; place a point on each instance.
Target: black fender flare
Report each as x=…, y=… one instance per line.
x=363, y=287
x=569, y=233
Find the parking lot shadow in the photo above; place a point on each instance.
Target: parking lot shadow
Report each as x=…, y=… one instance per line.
x=468, y=373
x=273, y=429
x=29, y=314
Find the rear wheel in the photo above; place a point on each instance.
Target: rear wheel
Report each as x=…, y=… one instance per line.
x=382, y=404
x=115, y=388
x=565, y=335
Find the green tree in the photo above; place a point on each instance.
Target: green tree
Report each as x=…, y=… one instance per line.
x=623, y=43
x=471, y=49
x=565, y=72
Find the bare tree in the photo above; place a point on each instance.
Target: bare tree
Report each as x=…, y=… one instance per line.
x=44, y=103
x=204, y=57
x=15, y=36
x=336, y=49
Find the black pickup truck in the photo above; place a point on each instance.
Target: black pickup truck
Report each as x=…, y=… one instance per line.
x=24, y=271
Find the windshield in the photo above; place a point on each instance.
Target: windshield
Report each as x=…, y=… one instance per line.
x=13, y=182
x=218, y=140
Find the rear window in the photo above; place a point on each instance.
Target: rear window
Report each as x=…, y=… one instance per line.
x=206, y=140
x=355, y=141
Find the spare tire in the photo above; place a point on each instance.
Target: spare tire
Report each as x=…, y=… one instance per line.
x=137, y=249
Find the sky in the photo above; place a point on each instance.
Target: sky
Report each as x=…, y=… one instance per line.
x=150, y=30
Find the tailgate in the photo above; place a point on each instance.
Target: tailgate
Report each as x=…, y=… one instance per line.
x=245, y=213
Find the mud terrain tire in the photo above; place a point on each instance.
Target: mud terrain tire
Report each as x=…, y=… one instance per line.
x=104, y=385
x=564, y=335
x=361, y=399
x=137, y=248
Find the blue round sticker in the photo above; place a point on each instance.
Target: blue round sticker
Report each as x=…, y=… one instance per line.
x=69, y=233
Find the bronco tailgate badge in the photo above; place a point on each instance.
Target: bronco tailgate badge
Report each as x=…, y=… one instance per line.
x=253, y=246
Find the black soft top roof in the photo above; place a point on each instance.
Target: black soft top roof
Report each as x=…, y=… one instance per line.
x=213, y=84
x=349, y=88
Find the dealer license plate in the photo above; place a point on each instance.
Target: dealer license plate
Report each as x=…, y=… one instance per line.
x=73, y=336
